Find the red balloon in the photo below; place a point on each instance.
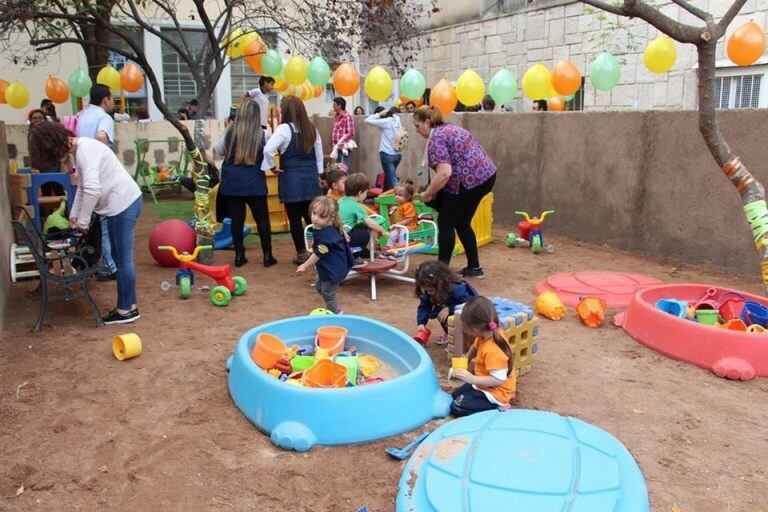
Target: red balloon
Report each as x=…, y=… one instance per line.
x=56, y=89
x=131, y=78
x=254, y=53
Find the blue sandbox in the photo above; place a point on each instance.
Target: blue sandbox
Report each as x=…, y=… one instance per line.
x=521, y=460
x=298, y=418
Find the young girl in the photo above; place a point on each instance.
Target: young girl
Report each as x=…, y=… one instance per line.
x=330, y=252
x=439, y=291
x=404, y=214
x=493, y=383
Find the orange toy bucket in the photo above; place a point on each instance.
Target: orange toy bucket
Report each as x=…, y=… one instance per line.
x=591, y=310
x=331, y=338
x=267, y=350
x=325, y=374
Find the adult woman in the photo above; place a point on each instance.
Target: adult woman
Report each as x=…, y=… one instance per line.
x=359, y=111
x=242, y=180
x=464, y=175
x=389, y=124
x=301, y=162
x=36, y=116
x=103, y=187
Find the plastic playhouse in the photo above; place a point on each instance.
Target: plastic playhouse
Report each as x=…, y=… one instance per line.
x=520, y=328
x=521, y=460
x=321, y=406
x=719, y=329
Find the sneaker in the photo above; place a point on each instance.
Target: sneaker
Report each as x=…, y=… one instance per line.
x=359, y=263
x=117, y=318
x=301, y=258
x=442, y=339
x=105, y=276
x=472, y=272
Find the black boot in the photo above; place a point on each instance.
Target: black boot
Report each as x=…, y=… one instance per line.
x=240, y=259
x=269, y=260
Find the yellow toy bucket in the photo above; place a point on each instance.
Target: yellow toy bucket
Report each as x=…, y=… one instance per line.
x=126, y=346
x=548, y=304
x=331, y=338
x=369, y=365
x=325, y=374
x=267, y=349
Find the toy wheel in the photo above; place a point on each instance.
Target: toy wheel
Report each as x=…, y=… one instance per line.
x=220, y=296
x=185, y=287
x=536, y=244
x=165, y=286
x=240, y=285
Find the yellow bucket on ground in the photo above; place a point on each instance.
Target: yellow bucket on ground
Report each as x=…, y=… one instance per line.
x=126, y=346
x=548, y=304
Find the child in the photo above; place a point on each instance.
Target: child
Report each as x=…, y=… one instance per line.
x=335, y=179
x=353, y=215
x=439, y=291
x=404, y=214
x=493, y=383
x=330, y=252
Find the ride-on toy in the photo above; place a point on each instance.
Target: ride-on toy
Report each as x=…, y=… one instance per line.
x=227, y=285
x=530, y=233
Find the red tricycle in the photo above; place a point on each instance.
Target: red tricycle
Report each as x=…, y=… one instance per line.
x=227, y=285
x=530, y=233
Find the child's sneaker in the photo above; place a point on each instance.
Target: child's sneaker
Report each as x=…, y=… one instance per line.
x=504, y=407
x=442, y=339
x=359, y=263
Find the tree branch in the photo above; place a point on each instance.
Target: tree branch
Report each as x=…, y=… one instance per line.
x=674, y=29
x=699, y=13
x=727, y=18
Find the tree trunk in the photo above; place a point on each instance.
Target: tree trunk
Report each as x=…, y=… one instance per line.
x=203, y=216
x=751, y=191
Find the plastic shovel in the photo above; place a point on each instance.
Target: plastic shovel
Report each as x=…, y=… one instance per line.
x=405, y=452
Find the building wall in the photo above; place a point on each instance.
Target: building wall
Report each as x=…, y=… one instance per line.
x=518, y=35
x=6, y=232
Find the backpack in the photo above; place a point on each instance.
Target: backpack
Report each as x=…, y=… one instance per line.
x=70, y=123
x=400, y=141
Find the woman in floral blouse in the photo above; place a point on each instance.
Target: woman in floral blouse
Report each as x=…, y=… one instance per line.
x=464, y=174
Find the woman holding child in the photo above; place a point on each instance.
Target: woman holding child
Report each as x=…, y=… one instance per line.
x=464, y=174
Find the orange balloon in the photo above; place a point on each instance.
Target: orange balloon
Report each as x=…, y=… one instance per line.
x=131, y=77
x=566, y=78
x=253, y=53
x=346, y=79
x=747, y=44
x=3, y=86
x=281, y=84
x=317, y=90
x=290, y=90
x=56, y=89
x=443, y=96
x=405, y=99
x=556, y=104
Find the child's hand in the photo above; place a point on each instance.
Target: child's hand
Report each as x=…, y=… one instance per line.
x=463, y=374
x=443, y=315
x=301, y=268
x=421, y=328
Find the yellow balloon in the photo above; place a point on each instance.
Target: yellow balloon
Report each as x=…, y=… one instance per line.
x=110, y=77
x=17, y=95
x=378, y=84
x=296, y=70
x=470, y=88
x=660, y=55
x=233, y=43
x=537, y=82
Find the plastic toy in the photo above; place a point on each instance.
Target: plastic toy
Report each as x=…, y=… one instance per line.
x=321, y=311
x=530, y=233
x=457, y=363
x=730, y=305
x=325, y=374
x=301, y=363
x=591, y=311
x=673, y=307
x=331, y=338
x=732, y=354
x=352, y=365
x=616, y=288
x=267, y=350
x=126, y=346
x=227, y=285
x=549, y=305
x=707, y=316
x=521, y=460
x=423, y=336
x=297, y=418
x=171, y=232
x=405, y=452
x=222, y=237
x=369, y=365
x=754, y=313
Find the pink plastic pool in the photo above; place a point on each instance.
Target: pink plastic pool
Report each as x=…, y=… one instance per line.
x=615, y=288
x=730, y=354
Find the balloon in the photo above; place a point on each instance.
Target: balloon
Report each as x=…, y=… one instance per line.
x=317, y=90
x=747, y=44
x=3, y=87
x=272, y=63
x=79, y=83
x=306, y=91
x=17, y=95
x=443, y=96
x=296, y=70
x=413, y=84
x=131, y=77
x=503, y=86
x=254, y=55
x=319, y=72
x=110, y=77
x=660, y=54
x=537, y=82
x=56, y=90
x=346, y=81
x=604, y=72
x=416, y=101
x=378, y=84
x=470, y=88
x=235, y=43
x=555, y=104
x=281, y=84
x=569, y=97
x=566, y=78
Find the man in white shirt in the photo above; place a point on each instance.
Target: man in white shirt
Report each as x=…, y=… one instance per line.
x=96, y=123
x=261, y=96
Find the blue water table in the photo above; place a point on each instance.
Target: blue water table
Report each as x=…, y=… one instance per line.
x=297, y=418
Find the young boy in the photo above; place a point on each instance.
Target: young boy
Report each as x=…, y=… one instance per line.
x=352, y=213
x=335, y=180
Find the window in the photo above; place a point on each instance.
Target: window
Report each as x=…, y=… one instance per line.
x=738, y=91
x=577, y=103
x=178, y=84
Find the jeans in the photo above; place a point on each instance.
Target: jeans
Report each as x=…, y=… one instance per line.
x=260, y=211
x=106, y=247
x=121, y=230
x=344, y=159
x=389, y=163
x=296, y=212
x=327, y=291
x=455, y=217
